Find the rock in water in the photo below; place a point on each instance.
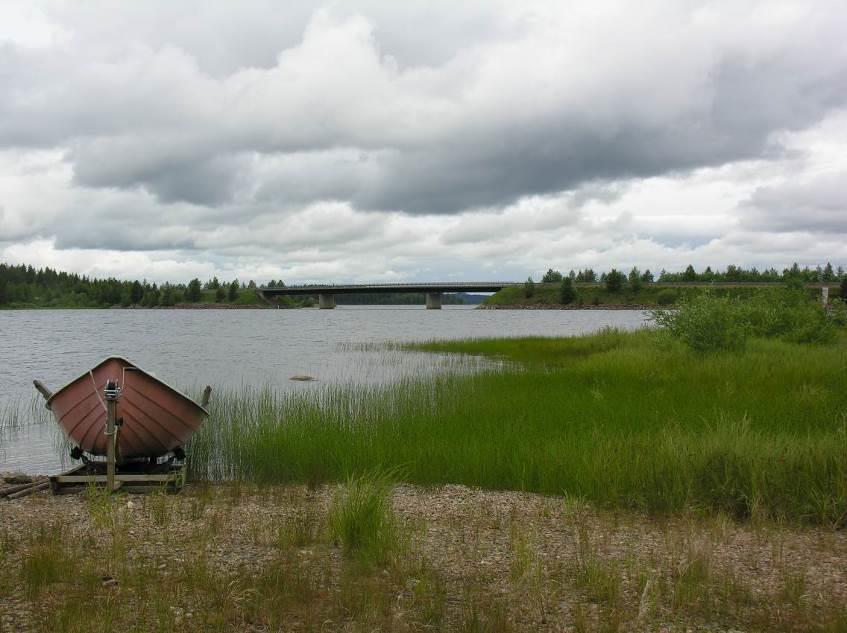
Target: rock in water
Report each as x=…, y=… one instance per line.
x=303, y=378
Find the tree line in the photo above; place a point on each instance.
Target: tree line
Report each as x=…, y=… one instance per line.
x=617, y=281
x=26, y=285
x=732, y=274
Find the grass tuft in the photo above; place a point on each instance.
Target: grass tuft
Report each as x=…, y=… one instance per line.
x=362, y=522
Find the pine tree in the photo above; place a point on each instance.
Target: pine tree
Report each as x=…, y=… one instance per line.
x=567, y=291
x=635, y=279
x=194, y=292
x=614, y=280
x=551, y=276
x=136, y=293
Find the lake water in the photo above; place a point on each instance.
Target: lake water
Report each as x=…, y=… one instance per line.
x=190, y=348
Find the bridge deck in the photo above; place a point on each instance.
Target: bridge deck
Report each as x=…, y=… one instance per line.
x=494, y=286
x=343, y=289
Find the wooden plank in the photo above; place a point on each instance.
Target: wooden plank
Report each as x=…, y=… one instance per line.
x=174, y=476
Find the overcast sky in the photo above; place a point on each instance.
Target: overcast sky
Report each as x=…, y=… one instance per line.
x=355, y=141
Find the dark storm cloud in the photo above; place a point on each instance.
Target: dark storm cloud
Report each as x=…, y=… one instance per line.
x=427, y=109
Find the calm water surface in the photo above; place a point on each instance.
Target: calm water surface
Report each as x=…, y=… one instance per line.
x=188, y=348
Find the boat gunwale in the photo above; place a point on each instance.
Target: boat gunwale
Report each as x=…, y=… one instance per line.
x=134, y=367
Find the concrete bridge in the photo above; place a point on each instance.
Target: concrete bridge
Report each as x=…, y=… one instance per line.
x=433, y=291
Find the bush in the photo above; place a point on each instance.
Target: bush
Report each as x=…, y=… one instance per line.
x=706, y=324
x=667, y=297
x=711, y=323
x=787, y=314
x=529, y=288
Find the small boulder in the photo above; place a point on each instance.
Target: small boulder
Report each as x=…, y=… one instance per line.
x=303, y=378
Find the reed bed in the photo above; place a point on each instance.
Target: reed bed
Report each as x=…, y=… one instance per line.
x=630, y=420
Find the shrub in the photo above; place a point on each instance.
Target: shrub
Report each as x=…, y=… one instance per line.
x=529, y=288
x=667, y=297
x=787, y=314
x=361, y=520
x=705, y=323
x=710, y=323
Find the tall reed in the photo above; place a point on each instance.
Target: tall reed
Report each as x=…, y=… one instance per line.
x=627, y=420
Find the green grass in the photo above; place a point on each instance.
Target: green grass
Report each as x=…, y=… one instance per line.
x=623, y=419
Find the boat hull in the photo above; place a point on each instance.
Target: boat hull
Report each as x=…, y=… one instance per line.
x=154, y=417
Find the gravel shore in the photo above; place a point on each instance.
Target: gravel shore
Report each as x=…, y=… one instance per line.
x=499, y=560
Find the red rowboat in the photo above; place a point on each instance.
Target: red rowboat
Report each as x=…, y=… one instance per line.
x=152, y=417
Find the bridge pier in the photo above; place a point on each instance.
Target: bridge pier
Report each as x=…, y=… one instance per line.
x=433, y=301
x=326, y=301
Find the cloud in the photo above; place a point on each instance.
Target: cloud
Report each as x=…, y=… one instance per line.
x=370, y=140
x=548, y=99
x=818, y=205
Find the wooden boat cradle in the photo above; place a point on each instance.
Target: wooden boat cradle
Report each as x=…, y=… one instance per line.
x=79, y=478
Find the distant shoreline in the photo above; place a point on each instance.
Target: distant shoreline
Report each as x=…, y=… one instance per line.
x=553, y=306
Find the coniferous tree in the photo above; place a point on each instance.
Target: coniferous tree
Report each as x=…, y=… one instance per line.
x=567, y=292
x=635, y=279
x=194, y=292
x=614, y=280
x=529, y=287
x=136, y=293
x=828, y=273
x=232, y=295
x=551, y=276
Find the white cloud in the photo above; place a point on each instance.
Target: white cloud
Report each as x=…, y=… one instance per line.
x=370, y=140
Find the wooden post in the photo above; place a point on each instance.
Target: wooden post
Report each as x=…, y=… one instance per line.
x=44, y=391
x=207, y=394
x=112, y=394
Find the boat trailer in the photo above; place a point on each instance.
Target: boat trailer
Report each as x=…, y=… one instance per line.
x=138, y=474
